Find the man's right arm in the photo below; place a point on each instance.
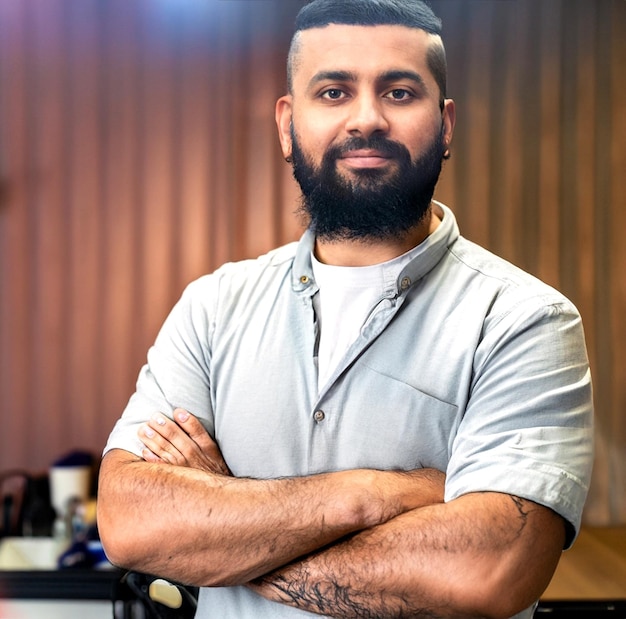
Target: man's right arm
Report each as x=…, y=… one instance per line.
x=206, y=528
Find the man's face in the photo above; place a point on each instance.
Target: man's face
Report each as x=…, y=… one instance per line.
x=365, y=129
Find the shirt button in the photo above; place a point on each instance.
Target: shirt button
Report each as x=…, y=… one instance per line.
x=304, y=279
x=319, y=416
x=405, y=283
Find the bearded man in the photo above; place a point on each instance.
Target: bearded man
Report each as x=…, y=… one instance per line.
x=381, y=420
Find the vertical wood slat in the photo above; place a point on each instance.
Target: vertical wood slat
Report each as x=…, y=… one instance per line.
x=46, y=128
x=156, y=173
x=261, y=151
x=118, y=286
x=15, y=256
x=84, y=144
x=615, y=256
x=507, y=188
x=486, y=95
x=138, y=151
x=582, y=177
x=599, y=504
x=196, y=152
x=549, y=196
x=226, y=130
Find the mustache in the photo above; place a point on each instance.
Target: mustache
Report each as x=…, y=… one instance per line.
x=386, y=147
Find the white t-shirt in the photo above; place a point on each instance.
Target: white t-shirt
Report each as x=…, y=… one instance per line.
x=347, y=298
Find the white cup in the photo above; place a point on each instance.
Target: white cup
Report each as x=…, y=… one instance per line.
x=68, y=482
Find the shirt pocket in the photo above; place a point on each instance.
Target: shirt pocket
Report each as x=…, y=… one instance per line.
x=383, y=422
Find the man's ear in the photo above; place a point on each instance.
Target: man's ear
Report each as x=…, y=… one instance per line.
x=449, y=119
x=283, y=123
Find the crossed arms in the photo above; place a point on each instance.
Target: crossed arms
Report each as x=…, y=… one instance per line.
x=357, y=543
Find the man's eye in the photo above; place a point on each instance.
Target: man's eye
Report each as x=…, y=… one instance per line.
x=399, y=94
x=333, y=94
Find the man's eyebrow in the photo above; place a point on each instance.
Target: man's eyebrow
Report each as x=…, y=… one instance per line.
x=393, y=76
x=332, y=76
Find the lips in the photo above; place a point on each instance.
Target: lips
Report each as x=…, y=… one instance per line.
x=365, y=158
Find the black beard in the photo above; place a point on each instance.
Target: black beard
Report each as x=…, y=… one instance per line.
x=376, y=205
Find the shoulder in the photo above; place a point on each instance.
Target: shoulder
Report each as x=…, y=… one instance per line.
x=222, y=296
x=239, y=274
x=509, y=287
x=474, y=275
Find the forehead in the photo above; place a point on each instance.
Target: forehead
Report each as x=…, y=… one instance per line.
x=365, y=51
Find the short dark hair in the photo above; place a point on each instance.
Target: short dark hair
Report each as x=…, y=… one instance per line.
x=411, y=13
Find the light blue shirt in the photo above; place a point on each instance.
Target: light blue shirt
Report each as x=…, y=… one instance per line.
x=466, y=364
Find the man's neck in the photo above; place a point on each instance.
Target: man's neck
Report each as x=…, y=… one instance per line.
x=366, y=252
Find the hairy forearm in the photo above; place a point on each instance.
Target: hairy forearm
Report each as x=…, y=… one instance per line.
x=208, y=529
x=481, y=556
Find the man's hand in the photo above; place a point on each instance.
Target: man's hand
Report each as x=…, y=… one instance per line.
x=183, y=442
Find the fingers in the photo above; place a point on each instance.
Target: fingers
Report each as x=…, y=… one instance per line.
x=158, y=437
x=195, y=430
x=181, y=441
x=192, y=426
x=206, y=452
x=149, y=456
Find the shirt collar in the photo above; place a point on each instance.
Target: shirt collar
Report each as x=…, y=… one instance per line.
x=430, y=251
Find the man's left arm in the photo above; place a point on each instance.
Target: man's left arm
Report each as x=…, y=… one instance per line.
x=481, y=555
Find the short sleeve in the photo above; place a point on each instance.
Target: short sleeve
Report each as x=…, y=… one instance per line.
x=527, y=430
x=177, y=370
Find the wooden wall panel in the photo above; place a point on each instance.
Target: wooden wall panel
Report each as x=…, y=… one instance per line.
x=138, y=151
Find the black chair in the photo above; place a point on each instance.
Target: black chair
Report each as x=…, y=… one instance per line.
x=149, y=597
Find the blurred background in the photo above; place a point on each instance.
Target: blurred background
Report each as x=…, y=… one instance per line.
x=138, y=151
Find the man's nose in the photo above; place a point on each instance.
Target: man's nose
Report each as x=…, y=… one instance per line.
x=366, y=117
